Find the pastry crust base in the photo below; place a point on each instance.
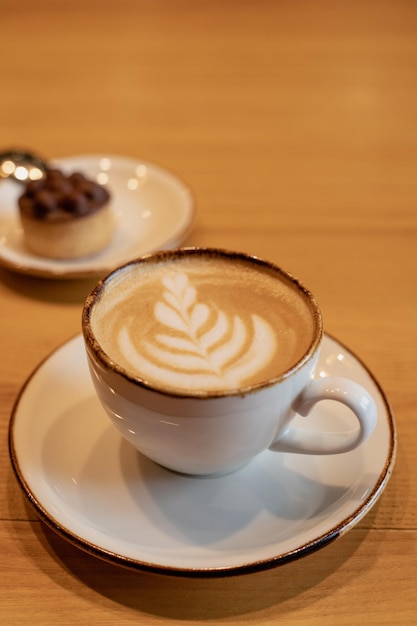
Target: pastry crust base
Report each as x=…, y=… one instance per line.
x=71, y=239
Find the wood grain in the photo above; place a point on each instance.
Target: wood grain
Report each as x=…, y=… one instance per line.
x=295, y=124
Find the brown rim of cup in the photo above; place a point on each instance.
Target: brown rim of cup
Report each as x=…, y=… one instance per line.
x=107, y=363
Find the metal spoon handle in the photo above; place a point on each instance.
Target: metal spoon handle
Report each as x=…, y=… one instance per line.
x=21, y=165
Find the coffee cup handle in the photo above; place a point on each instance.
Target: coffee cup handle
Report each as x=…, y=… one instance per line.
x=349, y=393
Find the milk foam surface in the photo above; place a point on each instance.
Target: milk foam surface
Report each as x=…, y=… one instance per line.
x=200, y=323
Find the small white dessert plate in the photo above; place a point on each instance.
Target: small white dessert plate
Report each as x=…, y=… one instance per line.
x=153, y=208
x=96, y=491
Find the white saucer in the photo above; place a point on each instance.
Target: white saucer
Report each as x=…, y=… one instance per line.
x=95, y=490
x=153, y=208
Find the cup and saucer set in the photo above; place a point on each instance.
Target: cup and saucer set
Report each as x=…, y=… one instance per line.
x=198, y=485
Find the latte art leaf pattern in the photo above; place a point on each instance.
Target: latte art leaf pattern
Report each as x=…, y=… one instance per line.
x=198, y=345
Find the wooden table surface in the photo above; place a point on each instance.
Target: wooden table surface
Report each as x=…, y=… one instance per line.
x=295, y=124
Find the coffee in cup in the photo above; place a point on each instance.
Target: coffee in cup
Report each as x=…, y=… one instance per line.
x=201, y=357
x=204, y=323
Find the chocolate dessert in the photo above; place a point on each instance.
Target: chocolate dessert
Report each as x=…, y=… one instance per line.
x=65, y=216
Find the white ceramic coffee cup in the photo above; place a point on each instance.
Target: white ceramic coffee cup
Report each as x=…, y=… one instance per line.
x=208, y=432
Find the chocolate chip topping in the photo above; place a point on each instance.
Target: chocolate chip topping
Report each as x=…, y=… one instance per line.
x=57, y=197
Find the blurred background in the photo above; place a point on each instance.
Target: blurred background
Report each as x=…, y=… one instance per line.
x=312, y=113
